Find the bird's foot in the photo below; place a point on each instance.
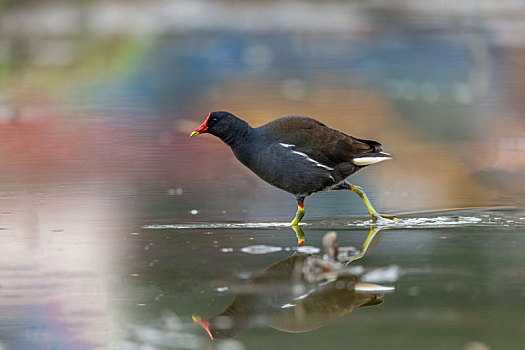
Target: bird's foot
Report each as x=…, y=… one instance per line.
x=379, y=217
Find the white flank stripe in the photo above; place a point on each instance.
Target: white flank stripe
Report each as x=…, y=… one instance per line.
x=300, y=297
x=369, y=160
x=287, y=145
x=313, y=160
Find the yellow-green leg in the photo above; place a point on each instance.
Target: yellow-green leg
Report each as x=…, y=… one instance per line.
x=373, y=213
x=300, y=212
x=299, y=233
x=373, y=231
x=359, y=191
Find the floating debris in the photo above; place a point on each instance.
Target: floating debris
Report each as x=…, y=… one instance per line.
x=222, y=289
x=175, y=191
x=194, y=212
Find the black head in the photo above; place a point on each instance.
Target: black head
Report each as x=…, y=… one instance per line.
x=223, y=125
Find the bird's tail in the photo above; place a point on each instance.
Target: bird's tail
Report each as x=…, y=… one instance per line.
x=369, y=153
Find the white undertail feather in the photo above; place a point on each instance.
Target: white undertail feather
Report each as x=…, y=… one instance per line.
x=362, y=287
x=371, y=160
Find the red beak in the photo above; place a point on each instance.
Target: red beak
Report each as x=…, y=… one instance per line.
x=204, y=323
x=201, y=128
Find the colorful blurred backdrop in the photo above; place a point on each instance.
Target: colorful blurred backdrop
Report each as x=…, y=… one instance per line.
x=97, y=100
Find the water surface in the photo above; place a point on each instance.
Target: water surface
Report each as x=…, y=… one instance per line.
x=116, y=228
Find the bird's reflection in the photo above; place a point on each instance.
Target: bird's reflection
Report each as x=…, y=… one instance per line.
x=298, y=294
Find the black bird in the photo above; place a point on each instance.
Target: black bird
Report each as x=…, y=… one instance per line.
x=299, y=155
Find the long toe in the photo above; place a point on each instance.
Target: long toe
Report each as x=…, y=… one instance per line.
x=379, y=217
x=391, y=217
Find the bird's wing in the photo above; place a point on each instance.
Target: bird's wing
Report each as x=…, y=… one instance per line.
x=319, y=142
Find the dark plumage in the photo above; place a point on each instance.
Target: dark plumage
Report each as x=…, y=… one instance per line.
x=299, y=155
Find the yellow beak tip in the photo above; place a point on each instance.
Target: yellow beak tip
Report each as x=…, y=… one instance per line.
x=194, y=133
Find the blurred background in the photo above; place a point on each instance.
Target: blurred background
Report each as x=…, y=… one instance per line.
x=97, y=100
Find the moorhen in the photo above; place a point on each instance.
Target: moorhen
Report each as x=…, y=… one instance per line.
x=299, y=155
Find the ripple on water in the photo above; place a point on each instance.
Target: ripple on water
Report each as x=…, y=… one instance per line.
x=260, y=249
x=308, y=250
x=223, y=225
x=438, y=221
x=405, y=221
